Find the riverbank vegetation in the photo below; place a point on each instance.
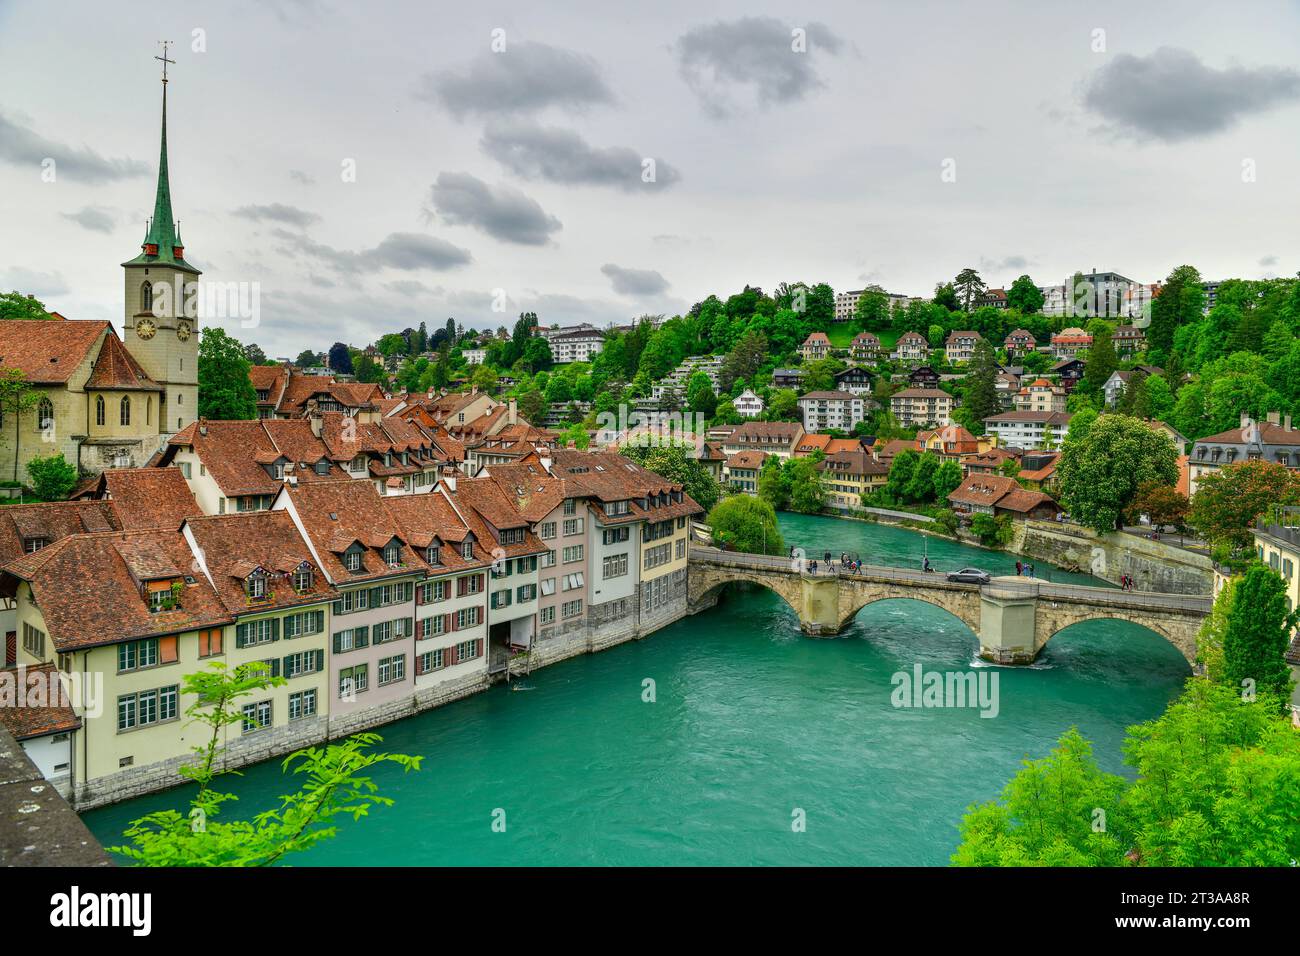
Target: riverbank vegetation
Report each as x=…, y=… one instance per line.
x=1218, y=773
x=334, y=783
x=745, y=523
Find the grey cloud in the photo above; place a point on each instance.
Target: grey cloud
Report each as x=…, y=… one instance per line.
x=753, y=53
x=1005, y=264
x=39, y=284
x=94, y=218
x=298, y=176
x=563, y=156
x=635, y=282
x=278, y=212
x=1268, y=261
x=500, y=211
x=525, y=78
x=22, y=147
x=408, y=287
x=407, y=251
x=1172, y=96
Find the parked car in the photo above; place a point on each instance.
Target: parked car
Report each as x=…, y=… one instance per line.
x=970, y=576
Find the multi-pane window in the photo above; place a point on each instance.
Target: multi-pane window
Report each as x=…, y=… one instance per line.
x=432, y=661
x=255, y=586
x=572, y=526
x=307, y=662
x=147, y=707
x=257, y=716
x=354, y=638
x=210, y=642
x=466, y=651
x=353, y=680
x=34, y=641
x=547, y=530
x=548, y=559
x=134, y=655
x=659, y=554
x=572, y=609
x=526, y=565
x=571, y=581
x=617, y=507
x=681, y=547
x=252, y=633
x=502, y=598
x=614, y=566
x=470, y=584
x=352, y=560
x=392, y=669
x=512, y=536
x=300, y=625
x=393, y=594
x=469, y=617
x=571, y=506
x=525, y=593
x=548, y=615
x=467, y=549
x=392, y=553
x=573, y=553
x=431, y=592
x=350, y=601
x=302, y=579
x=432, y=626
x=433, y=554
x=302, y=704
x=616, y=535
x=548, y=586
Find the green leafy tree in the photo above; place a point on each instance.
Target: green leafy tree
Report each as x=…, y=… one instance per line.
x=1258, y=633
x=872, y=310
x=15, y=305
x=1024, y=296
x=981, y=398
x=773, y=485
x=748, y=524
x=804, y=479
x=969, y=287
x=1180, y=302
x=307, y=359
x=744, y=360
x=53, y=477
x=335, y=783
x=17, y=397
x=225, y=391
x=340, y=359
x=1048, y=815
x=783, y=406
x=368, y=370
x=1101, y=473
x=700, y=395
x=1229, y=500
x=946, y=480
x=1099, y=363
x=945, y=296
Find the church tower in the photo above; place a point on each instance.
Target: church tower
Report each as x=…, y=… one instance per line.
x=158, y=328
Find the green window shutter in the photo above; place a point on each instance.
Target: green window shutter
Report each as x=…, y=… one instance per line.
x=320, y=660
x=338, y=643
x=375, y=596
x=275, y=629
x=241, y=635
x=318, y=621
x=338, y=607
x=275, y=667
x=362, y=638
x=284, y=666
x=410, y=626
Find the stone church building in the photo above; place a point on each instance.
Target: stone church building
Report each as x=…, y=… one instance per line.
x=104, y=401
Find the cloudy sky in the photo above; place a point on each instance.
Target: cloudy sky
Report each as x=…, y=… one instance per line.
x=596, y=161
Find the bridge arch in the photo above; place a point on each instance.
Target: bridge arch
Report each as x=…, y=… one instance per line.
x=1179, y=632
x=705, y=590
x=965, y=612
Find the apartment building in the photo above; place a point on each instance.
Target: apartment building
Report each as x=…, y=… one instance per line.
x=849, y=477
x=960, y=346
x=912, y=348
x=837, y=410
x=1040, y=395
x=749, y=405
x=816, y=346
x=1070, y=343
x=769, y=438
x=1273, y=440
x=1029, y=430
x=1128, y=339
x=1020, y=342
x=865, y=347
x=741, y=470
x=853, y=379
x=915, y=407
x=577, y=346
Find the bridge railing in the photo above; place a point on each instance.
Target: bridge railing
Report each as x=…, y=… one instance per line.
x=1002, y=587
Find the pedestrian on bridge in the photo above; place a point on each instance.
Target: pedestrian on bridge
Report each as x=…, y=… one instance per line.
x=1019, y=568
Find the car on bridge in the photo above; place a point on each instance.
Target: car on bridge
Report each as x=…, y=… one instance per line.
x=970, y=576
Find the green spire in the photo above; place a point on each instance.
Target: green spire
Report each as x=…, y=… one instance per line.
x=162, y=237
x=162, y=232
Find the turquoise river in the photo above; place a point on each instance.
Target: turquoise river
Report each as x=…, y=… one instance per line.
x=751, y=721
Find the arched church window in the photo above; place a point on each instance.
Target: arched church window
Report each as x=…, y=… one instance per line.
x=126, y=410
x=99, y=409
x=146, y=298
x=45, y=414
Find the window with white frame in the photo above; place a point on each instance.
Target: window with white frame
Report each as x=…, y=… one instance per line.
x=302, y=704
x=257, y=716
x=614, y=566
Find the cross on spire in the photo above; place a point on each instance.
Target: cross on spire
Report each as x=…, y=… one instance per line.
x=164, y=44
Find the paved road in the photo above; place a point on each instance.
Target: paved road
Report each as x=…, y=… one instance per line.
x=1072, y=593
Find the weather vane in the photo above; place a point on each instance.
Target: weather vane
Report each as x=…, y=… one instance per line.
x=164, y=44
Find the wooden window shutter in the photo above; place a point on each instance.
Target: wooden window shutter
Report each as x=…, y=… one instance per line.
x=478, y=647
x=451, y=655
x=318, y=620
x=320, y=659
x=275, y=629
x=167, y=649
x=452, y=623
x=241, y=635
x=338, y=607
x=362, y=637
x=338, y=643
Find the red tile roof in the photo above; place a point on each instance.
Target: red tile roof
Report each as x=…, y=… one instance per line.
x=41, y=704
x=149, y=497
x=116, y=368
x=48, y=351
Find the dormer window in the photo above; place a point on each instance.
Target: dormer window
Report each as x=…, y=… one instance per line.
x=352, y=560
x=467, y=549
x=255, y=586
x=323, y=467
x=302, y=578
x=31, y=545
x=432, y=554
x=392, y=553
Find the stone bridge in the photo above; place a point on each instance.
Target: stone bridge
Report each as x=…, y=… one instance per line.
x=1013, y=617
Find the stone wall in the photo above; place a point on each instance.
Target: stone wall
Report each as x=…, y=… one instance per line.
x=1153, y=565
x=37, y=827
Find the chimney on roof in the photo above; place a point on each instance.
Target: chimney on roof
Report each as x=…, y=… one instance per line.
x=1245, y=420
x=512, y=416
x=1275, y=418
x=1286, y=423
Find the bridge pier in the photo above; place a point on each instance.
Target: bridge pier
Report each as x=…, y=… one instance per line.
x=819, y=605
x=1007, y=632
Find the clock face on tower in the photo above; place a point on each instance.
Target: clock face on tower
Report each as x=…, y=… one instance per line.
x=145, y=329
x=183, y=331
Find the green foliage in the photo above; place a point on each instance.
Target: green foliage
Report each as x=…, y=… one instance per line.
x=368, y=370
x=1229, y=500
x=804, y=478
x=745, y=523
x=1024, y=295
x=1218, y=780
x=334, y=783
x=52, y=477
x=1101, y=472
x=992, y=532
x=981, y=395
x=225, y=391
x=1259, y=628
x=15, y=305
x=17, y=397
